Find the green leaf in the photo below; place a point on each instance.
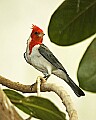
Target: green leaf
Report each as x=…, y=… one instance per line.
x=87, y=69
x=72, y=22
x=11, y=94
x=37, y=107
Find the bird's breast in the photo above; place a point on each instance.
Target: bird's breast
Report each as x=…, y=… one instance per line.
x=38, y=61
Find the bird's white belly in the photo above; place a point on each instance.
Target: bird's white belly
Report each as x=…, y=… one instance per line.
x=38, y=61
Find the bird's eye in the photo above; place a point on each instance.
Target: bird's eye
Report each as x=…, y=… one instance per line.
x=36, y=33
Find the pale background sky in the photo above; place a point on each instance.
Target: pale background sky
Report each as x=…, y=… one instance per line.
x=16, y=18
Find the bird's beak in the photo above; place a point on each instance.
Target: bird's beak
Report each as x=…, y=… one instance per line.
x=41, y=34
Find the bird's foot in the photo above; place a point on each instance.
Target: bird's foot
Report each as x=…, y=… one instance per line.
x=46, y=76
x=36, y=86
x=33, y=86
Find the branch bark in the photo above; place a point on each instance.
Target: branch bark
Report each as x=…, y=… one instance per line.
x=44, y=87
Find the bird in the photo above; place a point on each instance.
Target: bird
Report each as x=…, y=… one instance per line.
x=40, y=57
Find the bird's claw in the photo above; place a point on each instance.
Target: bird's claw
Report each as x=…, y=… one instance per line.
x=46, y=76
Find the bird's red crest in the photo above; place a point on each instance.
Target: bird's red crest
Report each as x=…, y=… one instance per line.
x=36, y=28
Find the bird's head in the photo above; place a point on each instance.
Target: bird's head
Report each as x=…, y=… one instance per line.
x=37, y=34
x=36, y=37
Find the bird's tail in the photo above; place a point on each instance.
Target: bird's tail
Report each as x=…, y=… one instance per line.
x=75, y=88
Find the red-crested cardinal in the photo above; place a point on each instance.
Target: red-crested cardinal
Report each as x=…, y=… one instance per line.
x=41, y=58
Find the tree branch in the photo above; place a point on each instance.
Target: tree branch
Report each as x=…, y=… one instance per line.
x=44, y=87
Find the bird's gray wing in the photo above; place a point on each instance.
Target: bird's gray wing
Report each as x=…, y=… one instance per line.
x=48, y=55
